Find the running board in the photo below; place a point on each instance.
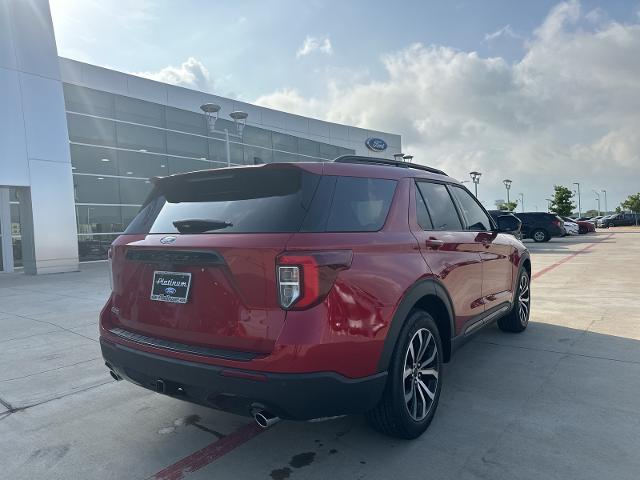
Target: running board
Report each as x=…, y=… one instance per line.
x=484, y=321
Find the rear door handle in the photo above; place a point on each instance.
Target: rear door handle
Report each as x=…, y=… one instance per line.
x=434, y=243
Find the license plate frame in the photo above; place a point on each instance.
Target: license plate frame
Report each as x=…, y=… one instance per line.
x=170, y=287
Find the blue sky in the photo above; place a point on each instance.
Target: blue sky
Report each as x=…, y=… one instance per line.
x=544, y=90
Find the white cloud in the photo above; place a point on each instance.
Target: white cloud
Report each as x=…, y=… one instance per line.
x=191, y=73
x=315, y=44
x=568, y=111
x=505, y=31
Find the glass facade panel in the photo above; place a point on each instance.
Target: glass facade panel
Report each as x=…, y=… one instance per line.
x=87, y=100
x=143, y=165
x=138, y=111
x=185, y=121
x=99, y=160
x=256, y=136
x=257, y=156
x=308, y=147
x=137, y=140
x=94, y=247
x=282, y=141
x=95, y=189
x=133, y=191
x=140, y=138
x=98, y=219
x=94, y=131
x=187, y=145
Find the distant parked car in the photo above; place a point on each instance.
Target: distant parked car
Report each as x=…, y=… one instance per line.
x=620, y=220
x=570, y=226
x=495, y=214
x=602, y=222
x=594, y=220
x=585, y=227
x=541, y=226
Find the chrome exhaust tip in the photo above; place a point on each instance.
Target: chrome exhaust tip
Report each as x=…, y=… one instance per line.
x=265, y=419
x=115, y=376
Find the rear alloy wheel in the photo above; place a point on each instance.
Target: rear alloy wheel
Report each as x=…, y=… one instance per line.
x=518, y=318
x=413, y=386
x=540, y=235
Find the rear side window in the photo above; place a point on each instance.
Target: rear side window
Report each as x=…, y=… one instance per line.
x=242, y=201
x=474, y=215
x=360, y=204
x=440, y=204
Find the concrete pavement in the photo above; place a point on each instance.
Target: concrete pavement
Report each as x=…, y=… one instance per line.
x=558, y=401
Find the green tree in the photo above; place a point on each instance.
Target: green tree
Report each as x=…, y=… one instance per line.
x=561, y=203
x=506, y=206
x=618, y=209
x=633, y=203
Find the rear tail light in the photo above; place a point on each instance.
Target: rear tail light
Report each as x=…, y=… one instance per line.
x=305, y=278
x=110, y=262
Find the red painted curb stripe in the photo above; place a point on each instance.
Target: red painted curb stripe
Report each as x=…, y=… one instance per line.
x=208, y=454
x=569, y=257
x=219, y=448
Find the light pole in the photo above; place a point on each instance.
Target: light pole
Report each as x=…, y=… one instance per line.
x=212, y=111
x=522, y=201
x=399, y=157
x=507, y=185
x=598, y=199
x=475, y=178
x=606, y=207
x=408, y=158
x=577, y=184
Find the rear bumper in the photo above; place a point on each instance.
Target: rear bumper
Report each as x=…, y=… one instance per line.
x=289, y=396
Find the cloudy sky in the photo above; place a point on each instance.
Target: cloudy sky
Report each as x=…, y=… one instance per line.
x=542, y=92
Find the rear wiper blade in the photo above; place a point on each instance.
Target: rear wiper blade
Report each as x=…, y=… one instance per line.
x=198, y=225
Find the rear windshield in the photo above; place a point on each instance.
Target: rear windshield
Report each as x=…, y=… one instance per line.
x=259, y=200
x=244, y=201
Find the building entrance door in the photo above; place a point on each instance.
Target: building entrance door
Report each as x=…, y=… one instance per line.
x=6, y=243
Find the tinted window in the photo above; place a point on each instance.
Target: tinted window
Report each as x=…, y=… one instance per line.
x=421, y=212
x=472, y=212
x=247, y=201
x=443, y=213
x=360, y=204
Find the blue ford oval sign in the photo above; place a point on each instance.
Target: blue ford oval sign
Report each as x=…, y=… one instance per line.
x=376, y=144
x=169, y=291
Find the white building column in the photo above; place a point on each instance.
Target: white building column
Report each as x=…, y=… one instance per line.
x=34, y=139
x=5, y=231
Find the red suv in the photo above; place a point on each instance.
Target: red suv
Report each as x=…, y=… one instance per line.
x=306, y=290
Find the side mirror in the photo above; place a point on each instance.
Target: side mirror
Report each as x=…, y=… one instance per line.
x=509, y=223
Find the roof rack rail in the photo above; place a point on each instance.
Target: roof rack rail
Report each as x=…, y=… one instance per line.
x=385, y=161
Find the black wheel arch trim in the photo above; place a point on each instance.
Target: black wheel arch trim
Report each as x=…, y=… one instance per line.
x=422, y=288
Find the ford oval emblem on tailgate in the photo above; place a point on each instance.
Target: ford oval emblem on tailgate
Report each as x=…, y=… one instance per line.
x=170, y=290
x=166, y=240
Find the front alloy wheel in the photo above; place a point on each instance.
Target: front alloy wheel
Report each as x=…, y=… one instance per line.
x=518, y=318
x=524, y=296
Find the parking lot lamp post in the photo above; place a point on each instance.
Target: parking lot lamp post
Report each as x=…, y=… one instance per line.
x=507, y=185
x=598, y=199
x=522, y=201
x=399, y=157
x=606, y=207
x=577, y=184
x=408, y=158
x=240, y=119
x=475, y=178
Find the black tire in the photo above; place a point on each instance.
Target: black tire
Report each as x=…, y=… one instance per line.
x=393, y=415
x=540, y=235
x=517, y=319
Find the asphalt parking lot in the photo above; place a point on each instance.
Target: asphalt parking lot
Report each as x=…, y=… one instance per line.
x=558, y=401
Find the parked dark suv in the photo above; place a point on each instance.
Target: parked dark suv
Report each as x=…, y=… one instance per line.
x=541, y=226
x=621, y=220
x=305, y=290
x=517, y=232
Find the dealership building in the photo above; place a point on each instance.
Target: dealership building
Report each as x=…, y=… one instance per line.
x=78, y=144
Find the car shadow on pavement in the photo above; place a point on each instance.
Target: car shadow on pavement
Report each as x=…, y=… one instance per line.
x=535, y=405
